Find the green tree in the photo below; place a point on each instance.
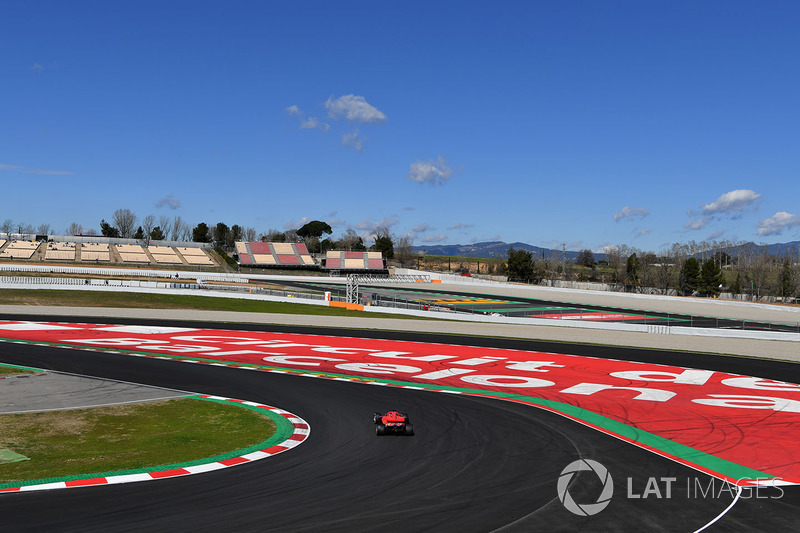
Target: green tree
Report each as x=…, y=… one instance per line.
x=383, y=243
x=633, y=269
x=711, y=278
x=585, y=258
x=139, y=235
x=736, y=288
x=351, y=241
x=221, y=234
x=690, y=272
x=200, y=233
x=157, y=234
x=108, y=230
x=787, y=281
x=520, y=265
x=315, y=228
x=237, y=232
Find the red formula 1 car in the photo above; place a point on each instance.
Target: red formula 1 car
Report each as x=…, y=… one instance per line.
x=392, y=423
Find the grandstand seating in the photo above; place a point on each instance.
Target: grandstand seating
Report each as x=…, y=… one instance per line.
x=95, y=252
x=339, y=260
x=164, y=255
x=132, y=253
x=195, y=256
x=274, y=254
x=60, y=251
x=20, y=250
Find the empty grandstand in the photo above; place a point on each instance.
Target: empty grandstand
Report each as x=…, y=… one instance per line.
x=195, y=256
x=353, y=261
x=60, y=251
x=274, y=254
x=164, y=255
x=19, y=250
x=93, y=252
x=132, y=253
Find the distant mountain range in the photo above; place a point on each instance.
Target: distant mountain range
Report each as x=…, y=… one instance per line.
x=499, y=250
x=494, y=250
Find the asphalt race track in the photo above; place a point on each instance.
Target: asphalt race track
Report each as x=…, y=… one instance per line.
x=475, y=464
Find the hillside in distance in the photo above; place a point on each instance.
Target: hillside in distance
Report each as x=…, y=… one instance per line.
x=494, y=250
x=499, y=250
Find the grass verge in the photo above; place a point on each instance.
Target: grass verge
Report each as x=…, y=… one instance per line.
x=168, y=301
x=126, y=437
x=14, y=370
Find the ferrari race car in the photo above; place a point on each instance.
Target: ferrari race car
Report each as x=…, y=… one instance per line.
x=392, y=423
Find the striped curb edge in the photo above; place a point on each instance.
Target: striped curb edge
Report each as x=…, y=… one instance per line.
x=300, y=432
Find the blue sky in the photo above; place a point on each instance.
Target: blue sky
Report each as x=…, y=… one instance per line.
x=589, y=123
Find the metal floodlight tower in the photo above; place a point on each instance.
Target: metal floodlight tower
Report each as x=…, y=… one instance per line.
x=352, y=289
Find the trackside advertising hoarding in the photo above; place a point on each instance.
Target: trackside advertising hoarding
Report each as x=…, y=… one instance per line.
x=742, y=429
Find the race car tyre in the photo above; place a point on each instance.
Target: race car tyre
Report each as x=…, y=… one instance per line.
x=377, y=418
x=409, y=430
x=405, y=415
x=380, y=430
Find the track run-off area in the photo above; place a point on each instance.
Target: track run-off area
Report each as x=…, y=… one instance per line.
x=683, y=435
x=693, y=416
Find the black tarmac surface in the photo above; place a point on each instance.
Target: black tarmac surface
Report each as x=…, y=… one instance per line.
x=475, y=464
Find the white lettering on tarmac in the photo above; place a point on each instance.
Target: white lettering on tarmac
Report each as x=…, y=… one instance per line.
x=298, y=360
x=506, y=381
x=751, y=402
x=478, y=361
x=440, y=374
x=687, y=377
x=339, y=351
x=211, y=338
x=533, y=366
x=379, y=368
x=181, y=348
x=653, y=395
x=121, y=341
x=761, y=384
x=408, y=355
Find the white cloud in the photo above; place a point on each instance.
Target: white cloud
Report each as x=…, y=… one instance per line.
x=642, y=233
x=29, y=170
x=36, y=67
x=714, y=236
x=336, y=222
x=439, y=237
x=694, y=225
x=296, y=224
x=731, y=202
x=369, y=225
x=353, y=108
x=311, y=123
x=169, y=201
x=353, y=140
x=460, y=225
x=434, y=172
x=778, y=222
x=307, y=123
x=422, y=228
x=631, y=213
x=606, y=248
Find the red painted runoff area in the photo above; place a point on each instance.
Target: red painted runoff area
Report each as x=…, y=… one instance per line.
x=735, y=427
